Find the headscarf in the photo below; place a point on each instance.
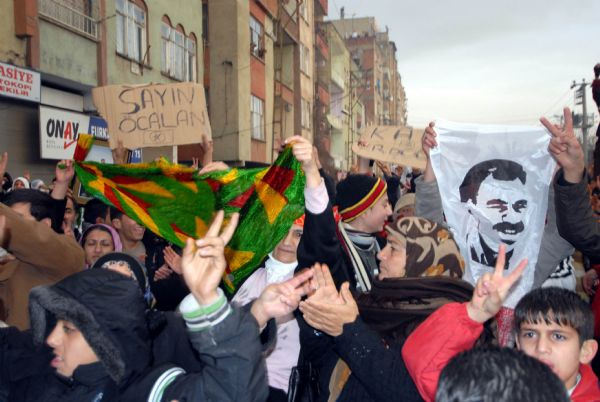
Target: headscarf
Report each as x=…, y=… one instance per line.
x=115, y=236
x=136, y=268
x=37, y=184
x=430, y=248
x=22, y=179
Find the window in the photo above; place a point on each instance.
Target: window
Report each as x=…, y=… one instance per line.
x=256, y=38
x=257, y=112
x=131, y=30
x=304, y=59
x=178, y=53
x=305, y=114
x=190, y=45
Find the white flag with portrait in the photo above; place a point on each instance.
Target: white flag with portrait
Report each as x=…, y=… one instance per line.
x=494, y=183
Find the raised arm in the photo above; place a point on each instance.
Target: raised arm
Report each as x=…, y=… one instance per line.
x=36, y=244
x=455, y=327
x=574, y=216
x=553, y=248
x=429, y=201
x=226, y=339
x=64, y=173
x=319, y=243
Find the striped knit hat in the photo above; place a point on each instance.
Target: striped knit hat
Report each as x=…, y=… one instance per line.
x=357, y=193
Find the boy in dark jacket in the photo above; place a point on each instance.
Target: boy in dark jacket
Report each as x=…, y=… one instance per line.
x=101, y=351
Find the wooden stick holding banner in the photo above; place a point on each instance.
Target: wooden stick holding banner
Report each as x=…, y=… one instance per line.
x=153, y=115
x=393, y=144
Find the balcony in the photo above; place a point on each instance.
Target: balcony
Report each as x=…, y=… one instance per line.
x=335, y=122
x=322, y=45
x=321, y=7
x=323, y=94
x=270, y=6
x=289, y=20
x=68, y=17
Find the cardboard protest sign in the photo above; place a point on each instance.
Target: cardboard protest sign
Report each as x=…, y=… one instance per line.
x=394, y=144
x=153, y=115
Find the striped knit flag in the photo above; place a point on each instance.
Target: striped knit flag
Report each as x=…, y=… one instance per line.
x=175, y=202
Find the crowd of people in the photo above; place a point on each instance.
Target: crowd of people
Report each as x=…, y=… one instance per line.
x=363, y=299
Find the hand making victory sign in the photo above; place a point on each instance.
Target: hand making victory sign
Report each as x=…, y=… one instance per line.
x=492, y=288
x=203, y=261
x=565, y=147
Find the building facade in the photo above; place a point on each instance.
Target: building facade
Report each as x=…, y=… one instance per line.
x=259, y=75
x=75, y=45
x=382, y=92
x=271, y=69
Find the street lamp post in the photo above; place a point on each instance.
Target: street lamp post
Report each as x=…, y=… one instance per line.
x=580, y=99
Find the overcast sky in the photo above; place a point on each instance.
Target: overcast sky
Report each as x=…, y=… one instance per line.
x=506, y=61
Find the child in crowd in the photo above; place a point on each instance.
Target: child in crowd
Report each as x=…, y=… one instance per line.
x=553, y=325
x=497, y=374
x=99, y=347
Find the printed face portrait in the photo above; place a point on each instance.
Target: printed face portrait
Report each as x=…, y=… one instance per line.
x=496, y=193
x=505, y=206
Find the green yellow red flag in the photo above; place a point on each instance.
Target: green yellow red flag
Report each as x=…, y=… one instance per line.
x=175, y=202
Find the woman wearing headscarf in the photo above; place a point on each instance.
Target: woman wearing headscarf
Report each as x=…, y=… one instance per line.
x=366, y=334
x=20, y=182
x=98, y=240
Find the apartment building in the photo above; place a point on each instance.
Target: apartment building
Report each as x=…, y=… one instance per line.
x=382, y=93
x=71, y=46
x=259, y=62
x=342, y=115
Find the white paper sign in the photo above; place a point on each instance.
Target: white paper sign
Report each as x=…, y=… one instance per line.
x=494, y=183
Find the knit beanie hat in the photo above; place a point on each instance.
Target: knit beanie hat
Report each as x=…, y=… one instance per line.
x=357, y=193
x=430, y=248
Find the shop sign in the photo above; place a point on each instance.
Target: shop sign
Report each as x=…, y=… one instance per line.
x=20, y=83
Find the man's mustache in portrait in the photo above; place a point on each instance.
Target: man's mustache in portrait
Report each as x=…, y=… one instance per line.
x=509, y=228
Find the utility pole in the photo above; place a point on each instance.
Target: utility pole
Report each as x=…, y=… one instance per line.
x=580, y=99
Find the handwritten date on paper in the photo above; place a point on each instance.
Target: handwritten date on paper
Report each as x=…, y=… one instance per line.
x=393, y=144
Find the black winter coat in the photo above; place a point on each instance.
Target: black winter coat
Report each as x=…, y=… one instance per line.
x=320, y=243
x=574, y=216
x=109, y=310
